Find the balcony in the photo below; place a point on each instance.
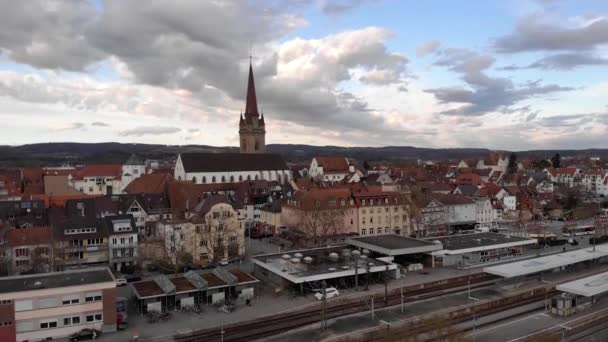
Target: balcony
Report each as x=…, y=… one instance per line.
x=123, y=245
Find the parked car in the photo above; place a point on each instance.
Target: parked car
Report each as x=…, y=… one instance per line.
x=121, y=281
x=133, y=278
x=208, y=266
x=85, y=334
x=224, y=262
x=330, y=292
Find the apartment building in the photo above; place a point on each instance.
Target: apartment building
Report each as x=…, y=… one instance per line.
x=55, y=305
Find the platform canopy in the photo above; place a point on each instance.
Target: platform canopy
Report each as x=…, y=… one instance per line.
x=546, y=263
x=590, y=286
x=392, y=244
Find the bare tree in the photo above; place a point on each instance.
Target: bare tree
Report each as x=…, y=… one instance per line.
x=322, y=224
x=219, y=227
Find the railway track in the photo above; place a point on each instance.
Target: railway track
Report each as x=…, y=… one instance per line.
x=275, y=324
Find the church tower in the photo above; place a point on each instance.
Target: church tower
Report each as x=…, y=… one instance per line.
x=252, y=131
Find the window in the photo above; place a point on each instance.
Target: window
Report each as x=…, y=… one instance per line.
x=371, y=201
x=362, y=202
x=71, y=320
x=48, y=324
x=371, y=231
x=213, y=179
x=67, y=300
x=342, y=202
x=386, y=229
x=363, y=231
x=240, y=178
x=379, y=230
x=93, y=297
x=332, y=203
x=352, y=201
x=231, y=179
x=22, y=252
x=232, y=239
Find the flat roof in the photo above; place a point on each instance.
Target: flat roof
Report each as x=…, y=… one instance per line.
x=392, y=244
x=321, y=267
x=590, y=286
x=546, y=263
x=32, y=282
x=466, y=243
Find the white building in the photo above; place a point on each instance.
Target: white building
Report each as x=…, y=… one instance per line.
x=592, y=180
x=55, y=305
x=485, y=212
x=564, y=175
x=330, y=169
x=101, y=179
x=210, y=168
x=132, y=169
x=123, y=238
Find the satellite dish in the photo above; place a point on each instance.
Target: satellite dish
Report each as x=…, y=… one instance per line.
x=286, y=256
x=355, y=253
x=298, y=255
x=366, y=251
x=307, y=260
x=295, y=261
x=333, y=256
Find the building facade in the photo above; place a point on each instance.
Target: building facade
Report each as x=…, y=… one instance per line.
x=57, y=304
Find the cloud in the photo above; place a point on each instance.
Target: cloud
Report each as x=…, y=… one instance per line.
x=428, y=48
x=380, y=77
x=563, y=61
x=49, y=34
x=483, y=94
x=69, y=127
x=340, y=7
x=100, y=124
x=532, y=33
x=149, y=130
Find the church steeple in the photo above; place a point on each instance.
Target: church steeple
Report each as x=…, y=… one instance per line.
x=251, y=107
x=252, y=131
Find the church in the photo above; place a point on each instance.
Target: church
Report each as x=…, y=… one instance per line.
x=252, y=163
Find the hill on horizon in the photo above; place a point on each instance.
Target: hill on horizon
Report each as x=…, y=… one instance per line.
x=53, y=154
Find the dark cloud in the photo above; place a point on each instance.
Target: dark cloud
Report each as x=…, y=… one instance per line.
x=100, y=124
x=533, y=34
x=149, y=130
x=563, y=61
x=48, y=34
x=483, y=94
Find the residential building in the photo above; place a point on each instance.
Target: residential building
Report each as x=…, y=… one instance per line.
x=330, y=169
x=101, y=179
x=23, y=213
x=122, y=240
x=446, y=213
x=79, y=235
x=29, y=250
x=55, y=305
x=485, y=211
x=321, y=214
x=592, y=180
x=564, y=175
x=381, y=212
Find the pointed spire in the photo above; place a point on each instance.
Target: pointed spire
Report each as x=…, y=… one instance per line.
x=251, y=107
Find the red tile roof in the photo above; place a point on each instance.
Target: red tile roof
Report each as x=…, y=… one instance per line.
x=28, y=236
x=452, y=199
x=154, y=183
x=333, y=164
x=99, y=170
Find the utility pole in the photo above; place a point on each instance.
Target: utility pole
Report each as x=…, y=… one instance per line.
x=402, y=308
x=222, y=332
x=386, y=286
x=373, y=313
x=324, y=285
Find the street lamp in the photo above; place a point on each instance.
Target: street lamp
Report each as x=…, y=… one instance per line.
x=356, y=255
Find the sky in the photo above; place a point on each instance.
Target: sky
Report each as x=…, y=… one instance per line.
x=513, y=74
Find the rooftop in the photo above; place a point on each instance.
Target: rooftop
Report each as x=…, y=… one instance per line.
x=590, y=286
x=547, y=263
x=232, y=162
x=324, y=263
x=480, y=241
x=392, y=244
x=51, y=280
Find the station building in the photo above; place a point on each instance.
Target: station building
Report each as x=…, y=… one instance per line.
x=480, y=248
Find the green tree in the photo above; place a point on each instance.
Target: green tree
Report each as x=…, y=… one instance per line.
x=556, y=160
x=512, y=167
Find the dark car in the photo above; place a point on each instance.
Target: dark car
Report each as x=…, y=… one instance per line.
x=85, y=334
x=208, y=266
x=133, y=278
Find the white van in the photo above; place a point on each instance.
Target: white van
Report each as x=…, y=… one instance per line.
x=482, y=229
